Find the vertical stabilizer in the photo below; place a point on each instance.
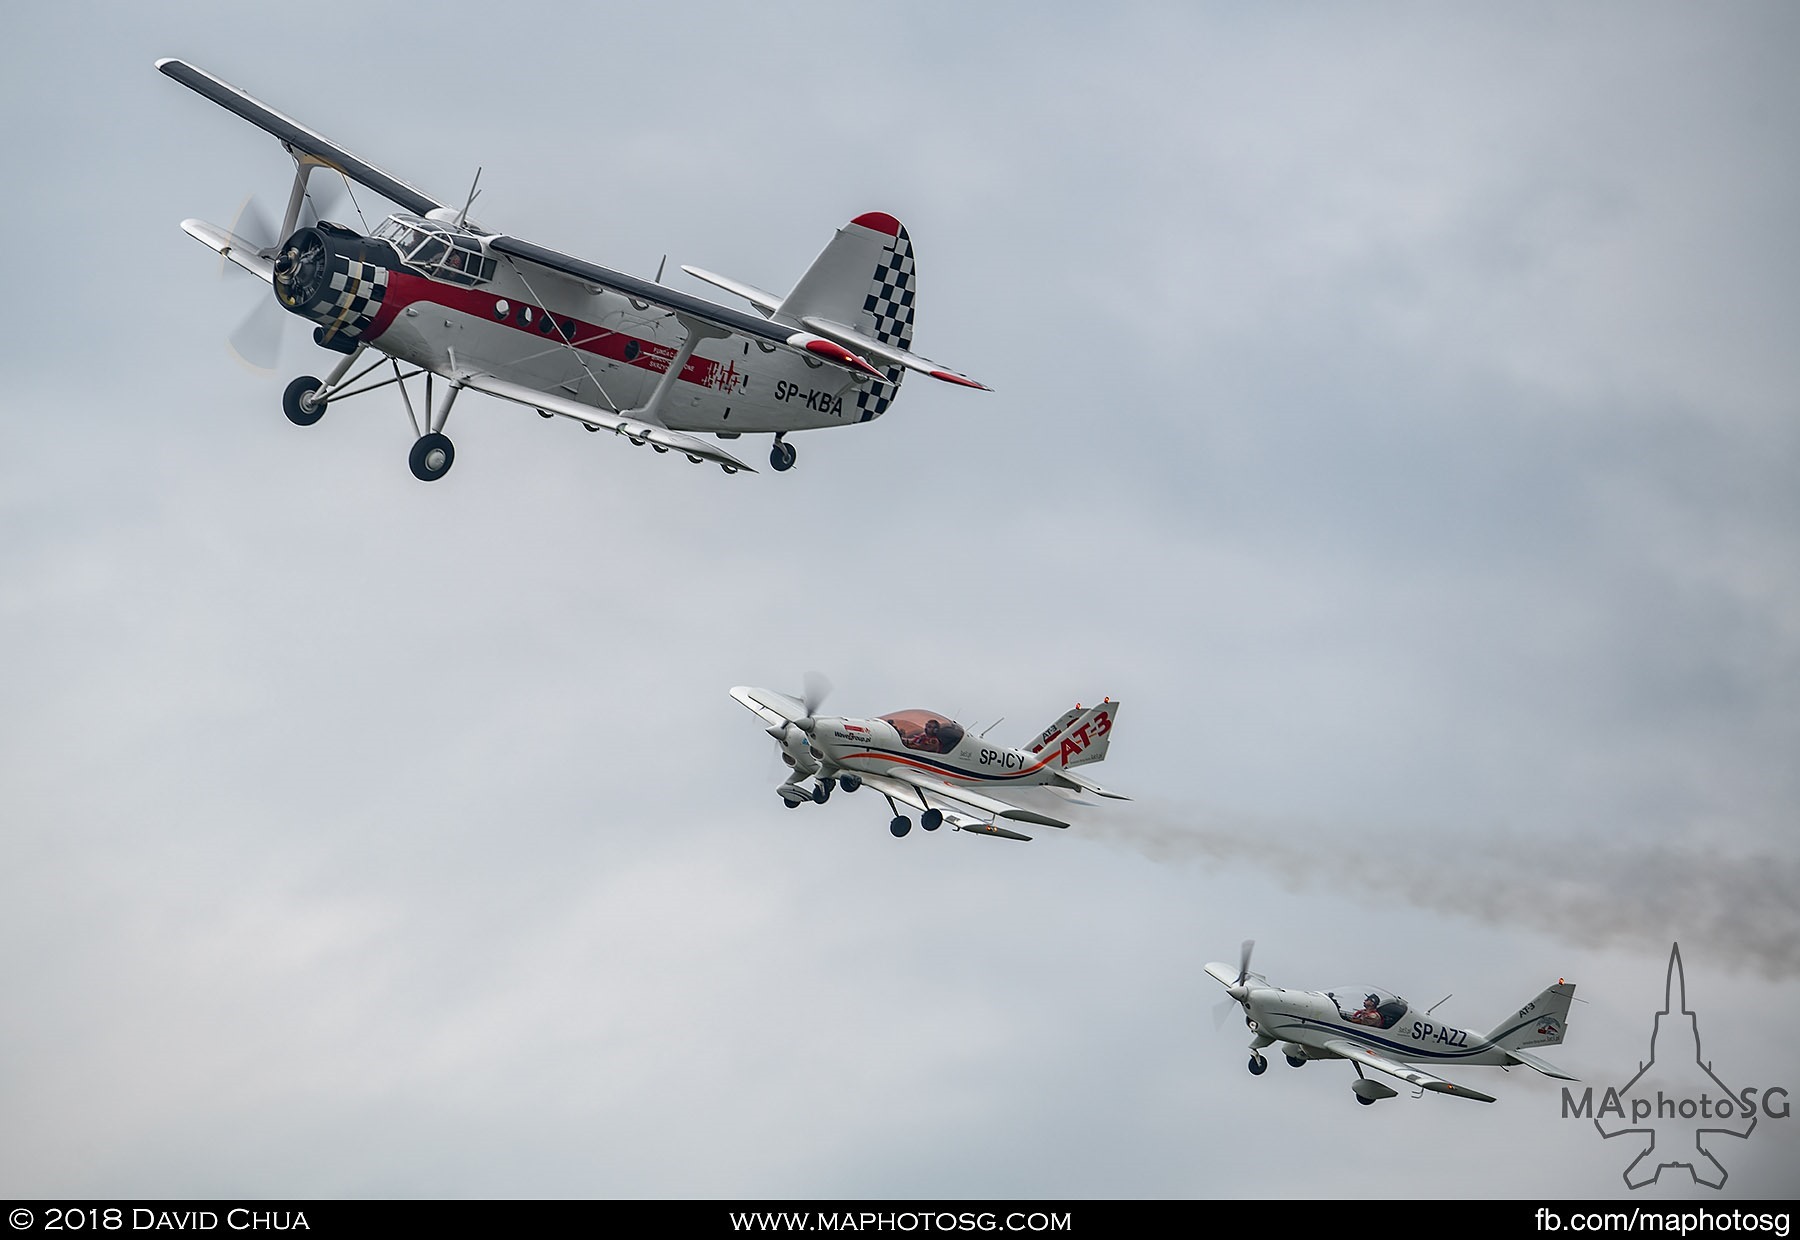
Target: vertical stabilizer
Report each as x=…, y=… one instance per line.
x=864, y=278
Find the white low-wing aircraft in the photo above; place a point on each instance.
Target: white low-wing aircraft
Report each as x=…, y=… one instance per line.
x=1376, y=1029
x=929, y=762
x=431, y=290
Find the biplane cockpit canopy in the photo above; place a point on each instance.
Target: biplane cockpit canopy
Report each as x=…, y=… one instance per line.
x=436, y=250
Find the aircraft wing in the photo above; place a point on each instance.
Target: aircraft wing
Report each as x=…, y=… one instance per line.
x=992, y=805
x=907, y=794
x=774, y=708
x=231, y=246
x=752, y=325
x=1223, y=974
x=297, y=137
x=619, y=424
x=1347, y=1049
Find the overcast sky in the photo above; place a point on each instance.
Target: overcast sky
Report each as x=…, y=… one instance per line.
x=1394, y=408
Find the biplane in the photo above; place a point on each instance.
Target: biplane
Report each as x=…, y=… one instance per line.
x=430, y=293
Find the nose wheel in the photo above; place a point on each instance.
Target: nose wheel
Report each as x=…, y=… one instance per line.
x=1258, y=1065
x=431, y=457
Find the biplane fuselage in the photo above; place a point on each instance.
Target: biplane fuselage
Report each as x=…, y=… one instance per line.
x=547, y=331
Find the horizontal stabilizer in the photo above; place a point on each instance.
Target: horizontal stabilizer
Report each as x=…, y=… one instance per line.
x=763, y=300
x=1532, y=1061
x=868, y=346
x=1084, y=784
x=231, y=246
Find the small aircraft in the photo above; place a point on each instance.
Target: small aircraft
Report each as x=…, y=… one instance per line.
x=928, y=761
x=1375, y=1029
x=430, y=289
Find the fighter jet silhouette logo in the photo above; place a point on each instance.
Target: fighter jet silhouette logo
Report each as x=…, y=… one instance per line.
x=1685, y=1103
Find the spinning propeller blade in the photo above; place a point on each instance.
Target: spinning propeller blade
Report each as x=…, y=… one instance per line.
x=1244, y=960
x=256, y=340
x=817, y=689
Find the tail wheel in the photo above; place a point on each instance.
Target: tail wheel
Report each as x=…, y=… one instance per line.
x=431, y=457
x=298, y=403
x=782, y=456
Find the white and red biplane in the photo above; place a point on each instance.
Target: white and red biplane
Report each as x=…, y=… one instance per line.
x=430, y=290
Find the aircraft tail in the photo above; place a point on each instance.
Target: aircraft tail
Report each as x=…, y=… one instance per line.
x=1079, y=737
x=1541, y=1022
x=865, y=279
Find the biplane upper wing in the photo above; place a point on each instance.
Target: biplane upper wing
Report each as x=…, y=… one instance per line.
x=754, y=326
x=297, y=137
x=1406, y=1072
x=619, y=424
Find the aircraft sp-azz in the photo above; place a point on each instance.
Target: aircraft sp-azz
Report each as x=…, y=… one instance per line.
x=430, y=292
x=1378, y=1030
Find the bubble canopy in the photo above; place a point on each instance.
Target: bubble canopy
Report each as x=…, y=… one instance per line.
x=925, y=731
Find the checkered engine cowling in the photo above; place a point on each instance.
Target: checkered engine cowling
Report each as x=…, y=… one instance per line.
x=335, y=278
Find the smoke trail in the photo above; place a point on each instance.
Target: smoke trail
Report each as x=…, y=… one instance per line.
x=1745, y=908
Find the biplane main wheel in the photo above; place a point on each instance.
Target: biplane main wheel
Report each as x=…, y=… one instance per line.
x=900, y=826
x=932, y=819
x=782, y=456
x=1368, y=1102
x=821, y=793
x=431, y=457
x=298, y=403
x=1258, y=1065
x=849, y=783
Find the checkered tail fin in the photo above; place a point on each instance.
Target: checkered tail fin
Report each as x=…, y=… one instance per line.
x=865, y=279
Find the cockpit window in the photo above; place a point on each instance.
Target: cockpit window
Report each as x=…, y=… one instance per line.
x=1361, y=1005
x=438, y=251
x=925, y=731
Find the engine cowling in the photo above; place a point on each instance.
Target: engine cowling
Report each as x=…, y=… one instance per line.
x=337, y=279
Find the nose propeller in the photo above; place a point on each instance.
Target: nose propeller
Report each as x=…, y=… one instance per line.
x=256, y=340
x=817, y=687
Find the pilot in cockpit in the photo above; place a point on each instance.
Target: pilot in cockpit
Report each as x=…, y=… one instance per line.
x=1369, y=1013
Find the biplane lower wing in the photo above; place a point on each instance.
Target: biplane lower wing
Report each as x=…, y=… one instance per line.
x=297, y=137
x=601, y=419
x=1346, y=1049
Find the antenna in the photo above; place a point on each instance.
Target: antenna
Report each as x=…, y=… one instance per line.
x=1440, y=1003
x=463, y=215
x=990, y=727
x=659, y=268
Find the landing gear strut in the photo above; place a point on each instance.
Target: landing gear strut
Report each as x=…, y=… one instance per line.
x=1258, y=1065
